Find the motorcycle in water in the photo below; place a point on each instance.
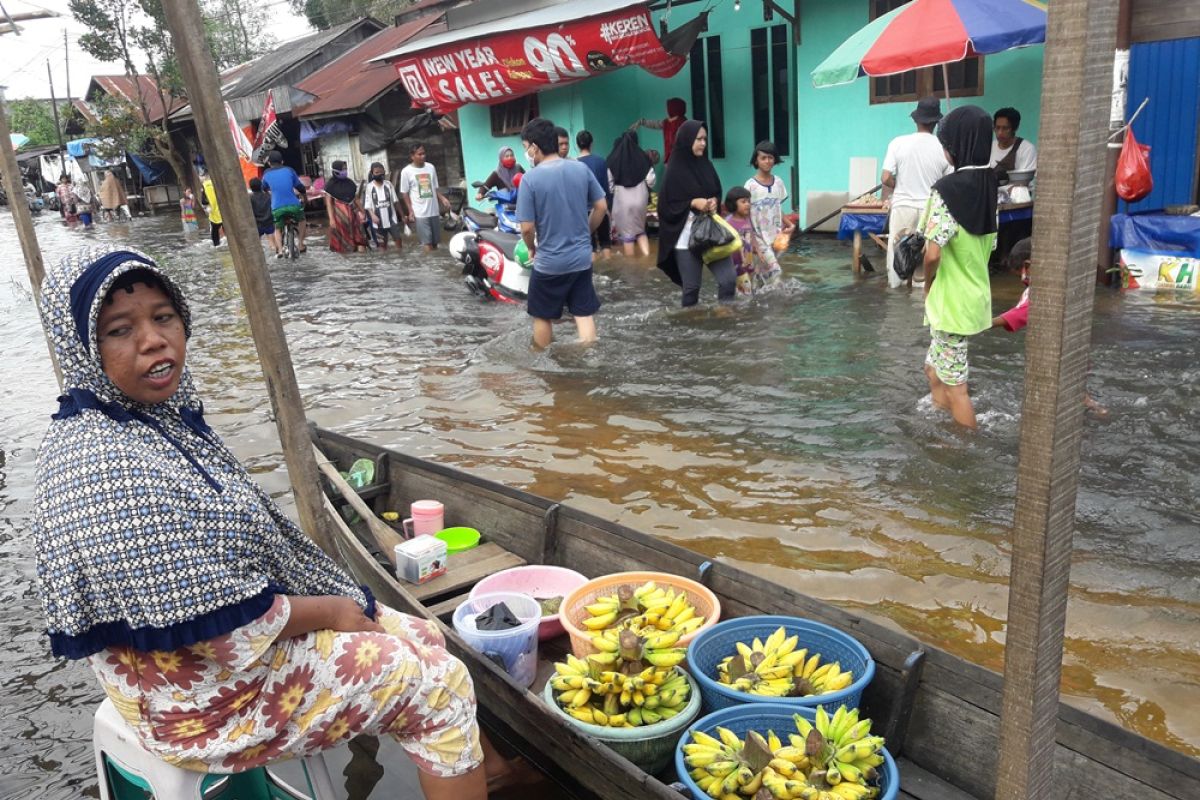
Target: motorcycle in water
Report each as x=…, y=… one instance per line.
x=493, y=256
x=495, y=264
x=504, y=201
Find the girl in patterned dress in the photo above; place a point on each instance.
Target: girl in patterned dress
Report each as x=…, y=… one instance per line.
x=222, y=634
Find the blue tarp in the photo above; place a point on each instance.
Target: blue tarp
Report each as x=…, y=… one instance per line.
x=867, y=223
x=1165, y=234
x=79, y=147
x=152, y=171
x=315, y=130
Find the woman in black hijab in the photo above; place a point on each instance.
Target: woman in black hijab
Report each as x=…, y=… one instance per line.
x=690, y=187
x=632, y=176
x=960, y=229
x=346, y=233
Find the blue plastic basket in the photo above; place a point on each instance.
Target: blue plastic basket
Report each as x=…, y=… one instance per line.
x=762, y=717
x=712, y=646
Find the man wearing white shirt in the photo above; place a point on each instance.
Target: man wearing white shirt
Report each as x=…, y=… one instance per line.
x=913, y=163
x=1010, y=152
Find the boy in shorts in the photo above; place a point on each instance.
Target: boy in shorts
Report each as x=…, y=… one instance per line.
x=419, y=192
x=561, y=204
x=260, y=202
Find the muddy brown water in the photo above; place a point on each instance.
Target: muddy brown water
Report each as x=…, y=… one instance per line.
x=791, y=434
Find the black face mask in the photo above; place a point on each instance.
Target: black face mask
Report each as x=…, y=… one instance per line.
x=377, y=178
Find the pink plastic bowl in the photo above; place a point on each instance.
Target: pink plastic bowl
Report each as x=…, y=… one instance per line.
x=538, y=581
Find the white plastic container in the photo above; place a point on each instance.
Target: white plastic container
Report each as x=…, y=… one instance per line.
x=514, y=649
x=420, y=559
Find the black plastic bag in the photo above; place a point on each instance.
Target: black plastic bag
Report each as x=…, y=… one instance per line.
x=497, y=618
x=707, y=233
x=910, y=254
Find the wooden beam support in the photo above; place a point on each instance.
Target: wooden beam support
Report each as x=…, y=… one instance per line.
x=204, y=94
x=1080, y=36
x=24, y=222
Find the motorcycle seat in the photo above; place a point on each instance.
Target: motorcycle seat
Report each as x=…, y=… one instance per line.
x=483, y=220
x=506, y=242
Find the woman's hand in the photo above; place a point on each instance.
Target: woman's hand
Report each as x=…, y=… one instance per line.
x=704, y=205
x=345, y=616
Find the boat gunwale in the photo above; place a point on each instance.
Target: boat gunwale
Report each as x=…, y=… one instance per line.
x=1108, y=744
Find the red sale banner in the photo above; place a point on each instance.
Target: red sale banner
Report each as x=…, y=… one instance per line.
x=497, y=68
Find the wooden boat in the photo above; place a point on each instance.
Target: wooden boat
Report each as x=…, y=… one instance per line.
x=940, y=714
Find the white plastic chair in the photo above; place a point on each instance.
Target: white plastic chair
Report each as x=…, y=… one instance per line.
x=116, y=746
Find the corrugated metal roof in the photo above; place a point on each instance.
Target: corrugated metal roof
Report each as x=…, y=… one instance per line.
x=245, y=86
x=126, y=88
x=353, y=81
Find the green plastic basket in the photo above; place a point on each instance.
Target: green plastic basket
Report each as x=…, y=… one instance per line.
x=650, y=747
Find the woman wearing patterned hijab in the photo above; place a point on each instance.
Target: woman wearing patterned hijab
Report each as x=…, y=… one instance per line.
x=224, y=637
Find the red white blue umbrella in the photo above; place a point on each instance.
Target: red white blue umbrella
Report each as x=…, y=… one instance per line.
x=925, y=33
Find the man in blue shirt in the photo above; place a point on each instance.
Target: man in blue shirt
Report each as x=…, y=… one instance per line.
x=284, y=183
x=561, y=203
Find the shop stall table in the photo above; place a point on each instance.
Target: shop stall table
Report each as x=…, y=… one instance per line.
x=857, y=220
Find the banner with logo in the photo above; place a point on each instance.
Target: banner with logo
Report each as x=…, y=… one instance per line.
x=1143, y=270
x=506, y=65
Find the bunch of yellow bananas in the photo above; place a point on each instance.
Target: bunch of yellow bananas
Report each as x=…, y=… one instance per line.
x=812, y=766
x=648, y=607
x=610, y=689
x=625, y=645
x=775, y=668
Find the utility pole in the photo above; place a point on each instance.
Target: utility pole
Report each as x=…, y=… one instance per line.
x=67, y=63
x=54, y=105
x=24, y=222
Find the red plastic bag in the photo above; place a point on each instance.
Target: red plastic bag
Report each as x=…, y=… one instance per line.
x=1133, y=169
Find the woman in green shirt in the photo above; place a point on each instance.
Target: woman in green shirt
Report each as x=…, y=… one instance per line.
x=960, y=232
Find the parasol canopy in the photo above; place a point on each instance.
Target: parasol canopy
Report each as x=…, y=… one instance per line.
x=18, y=140
x=925, y=33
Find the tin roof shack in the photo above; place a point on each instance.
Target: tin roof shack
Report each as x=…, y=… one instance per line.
x=279, y=72
x=149, y=104
x=361, y=113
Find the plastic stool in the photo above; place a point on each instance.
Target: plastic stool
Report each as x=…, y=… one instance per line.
x=128, y=771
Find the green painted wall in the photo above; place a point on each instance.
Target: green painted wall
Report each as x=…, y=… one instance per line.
x=835, y=124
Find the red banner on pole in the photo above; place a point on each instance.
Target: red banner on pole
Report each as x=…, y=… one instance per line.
x=499, y=67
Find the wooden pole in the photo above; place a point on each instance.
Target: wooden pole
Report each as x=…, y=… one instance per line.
x=24, y=222
x=204, y=94
x=1075, y=89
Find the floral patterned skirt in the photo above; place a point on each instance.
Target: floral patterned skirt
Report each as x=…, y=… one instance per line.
x=243, y=700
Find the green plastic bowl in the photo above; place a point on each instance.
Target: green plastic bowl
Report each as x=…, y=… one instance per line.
x=458, y=539
x=650, y=747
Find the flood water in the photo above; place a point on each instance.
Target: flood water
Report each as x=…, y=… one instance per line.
x=791, y=434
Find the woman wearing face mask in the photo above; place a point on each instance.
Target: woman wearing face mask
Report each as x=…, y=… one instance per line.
x=379, y=200
x=341, y=204
x=504, y=176
x=690, y=188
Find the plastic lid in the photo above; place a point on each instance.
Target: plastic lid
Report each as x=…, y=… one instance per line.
x=458, y=539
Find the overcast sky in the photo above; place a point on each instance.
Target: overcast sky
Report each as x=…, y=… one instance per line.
x=23, y=57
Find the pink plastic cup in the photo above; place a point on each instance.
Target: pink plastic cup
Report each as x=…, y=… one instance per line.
x=426, y=519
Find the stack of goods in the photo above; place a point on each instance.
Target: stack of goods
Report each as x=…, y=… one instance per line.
x=648, y=607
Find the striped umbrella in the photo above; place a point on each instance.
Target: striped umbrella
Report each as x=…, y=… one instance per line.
x=925, y=33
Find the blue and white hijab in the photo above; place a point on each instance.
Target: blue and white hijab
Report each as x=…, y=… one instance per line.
x=148, y=532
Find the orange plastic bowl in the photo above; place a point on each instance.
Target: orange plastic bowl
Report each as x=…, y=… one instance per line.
x=574, y=607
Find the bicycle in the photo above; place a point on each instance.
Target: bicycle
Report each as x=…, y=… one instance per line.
x=291, y=235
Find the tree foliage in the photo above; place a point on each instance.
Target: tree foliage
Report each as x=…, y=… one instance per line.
x=237, y=31
x=324, y=14
x=35, y=119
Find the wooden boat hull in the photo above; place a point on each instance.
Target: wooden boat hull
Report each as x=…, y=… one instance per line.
x=939, y=712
